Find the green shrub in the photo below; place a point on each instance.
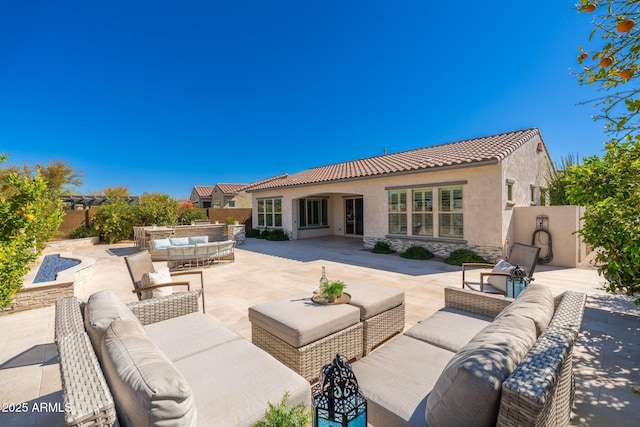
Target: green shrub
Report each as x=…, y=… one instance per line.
x=459, y=256
x=252, y=232
x=28, y=219
x=417, y=252
x=263, y=234
x=280, y=415
x=158, y=209
x=114, y=221
x=190, y=215
x=83, y=231
x=382, y=248
x=277, y=234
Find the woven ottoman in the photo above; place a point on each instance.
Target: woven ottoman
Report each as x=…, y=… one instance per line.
x=306, y=336
x=381, y=311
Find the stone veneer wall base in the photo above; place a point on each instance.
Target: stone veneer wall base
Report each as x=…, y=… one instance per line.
x=440, y=249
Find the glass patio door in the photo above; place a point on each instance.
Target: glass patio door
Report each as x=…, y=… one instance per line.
x=354, y=216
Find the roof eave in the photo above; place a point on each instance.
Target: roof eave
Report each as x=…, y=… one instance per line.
x=360, y=178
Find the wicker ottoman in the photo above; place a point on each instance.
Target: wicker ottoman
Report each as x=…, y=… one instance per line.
x=381, y=311
x=306, y=336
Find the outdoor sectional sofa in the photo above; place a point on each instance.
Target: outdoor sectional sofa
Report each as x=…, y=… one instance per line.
x=483, y=360
x=161, y=362
x=181, y=251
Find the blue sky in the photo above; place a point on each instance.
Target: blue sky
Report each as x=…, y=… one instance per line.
x=160, y=96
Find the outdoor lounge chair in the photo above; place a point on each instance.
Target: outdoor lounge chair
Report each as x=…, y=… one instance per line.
x=140, y=264
x=523, y=255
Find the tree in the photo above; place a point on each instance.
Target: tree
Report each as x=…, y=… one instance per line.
x=610, y=186
x=60, y=177
x=557, y=180
x=28, y=219
x=118, y=191
x=612, y=64
x=158, y=209
x=114, y=221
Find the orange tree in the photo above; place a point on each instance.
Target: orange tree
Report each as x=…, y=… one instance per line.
x=28, y=219
x=610, y=186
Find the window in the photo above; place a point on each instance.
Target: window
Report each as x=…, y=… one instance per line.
x=451, y=224
x=397, y=212
x=270, y=212
x=533, y=194
x=510, y=190
x=422, y=217
x=313, y=213
x=231, y=204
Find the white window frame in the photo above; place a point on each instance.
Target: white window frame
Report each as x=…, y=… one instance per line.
x=268, y=214
x=451, y=212
x=397, y=214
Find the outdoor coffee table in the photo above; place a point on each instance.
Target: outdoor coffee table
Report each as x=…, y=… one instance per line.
x=382, y=311
x=304, y=335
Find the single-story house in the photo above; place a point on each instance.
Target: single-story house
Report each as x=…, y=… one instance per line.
x=230, y=196
x=201, y=196
x=443, y=197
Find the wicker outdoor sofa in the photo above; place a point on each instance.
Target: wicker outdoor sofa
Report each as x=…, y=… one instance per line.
x=191, y=251
x=161, y=362
x=483, y=360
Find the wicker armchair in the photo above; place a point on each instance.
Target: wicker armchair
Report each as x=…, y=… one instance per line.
x=140, y=264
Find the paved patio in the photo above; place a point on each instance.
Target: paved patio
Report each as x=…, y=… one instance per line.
x=607, y=356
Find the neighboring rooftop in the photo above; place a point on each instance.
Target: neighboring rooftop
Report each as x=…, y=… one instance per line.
x=203, y=190
x=469, y=151
x=230, y=188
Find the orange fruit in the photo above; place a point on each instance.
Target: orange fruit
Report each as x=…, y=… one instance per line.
x=625, y=25
x=591, y=8
x=605, y=62
x=626, y=74
x=583, y=56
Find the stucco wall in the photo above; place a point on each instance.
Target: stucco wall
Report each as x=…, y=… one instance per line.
x=525, y=167
x=563, y=221
x=481, y=202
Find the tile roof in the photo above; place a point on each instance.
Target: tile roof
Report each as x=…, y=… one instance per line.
x=203, y=190
x=230, y=188
x=466, y=152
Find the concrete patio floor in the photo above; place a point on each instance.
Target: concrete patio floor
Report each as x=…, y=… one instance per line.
x=607, y=355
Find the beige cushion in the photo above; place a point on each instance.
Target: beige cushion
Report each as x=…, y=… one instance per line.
x=500, y=282
x=468, y=390
x=103, y=307
x=232, y=384
x=449, y=328
x=298, y=321
x=535, y=302
x=160, y=276
x=397, y=378
x=183, y=336
x=147, y=388
x=373, y=299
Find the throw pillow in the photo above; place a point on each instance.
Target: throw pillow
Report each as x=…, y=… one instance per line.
x=500, y=282
x=162, y=275
x=159, y=244
x=198, y=239
x=179, y=241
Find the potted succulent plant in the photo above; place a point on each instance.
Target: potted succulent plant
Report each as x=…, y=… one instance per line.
x=332, y=290
x=281, y=414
